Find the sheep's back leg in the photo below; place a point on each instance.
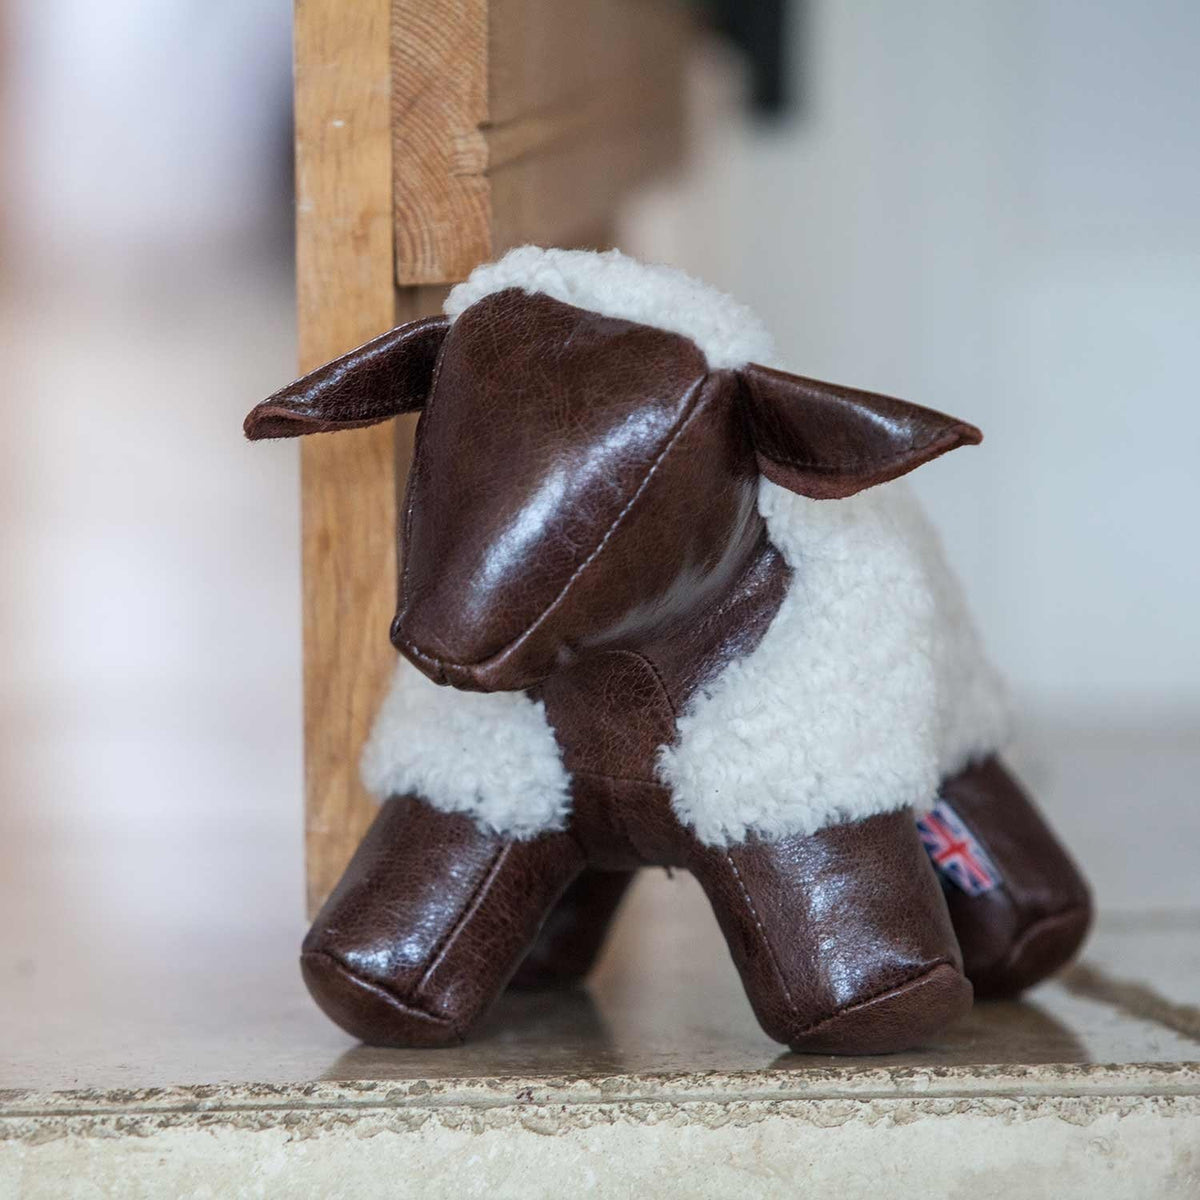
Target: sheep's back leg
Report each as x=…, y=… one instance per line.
x=1036, y=908
x=570, y=941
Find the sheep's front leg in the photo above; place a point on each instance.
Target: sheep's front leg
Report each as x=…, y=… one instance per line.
x=429, y=922
x=842, y=938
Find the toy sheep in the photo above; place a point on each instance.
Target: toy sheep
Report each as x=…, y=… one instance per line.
x=684, y=624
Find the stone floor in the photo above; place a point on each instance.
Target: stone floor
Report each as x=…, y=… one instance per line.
x=188, y=1065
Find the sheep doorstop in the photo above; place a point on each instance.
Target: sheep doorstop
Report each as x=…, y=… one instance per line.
x=686, y=620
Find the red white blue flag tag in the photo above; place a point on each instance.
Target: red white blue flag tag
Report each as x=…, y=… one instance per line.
x=956, y=852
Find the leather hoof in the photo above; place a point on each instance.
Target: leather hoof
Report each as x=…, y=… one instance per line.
x=1030, y=925
x=1043, y=948
x=898, y=1019
x=370, y=1012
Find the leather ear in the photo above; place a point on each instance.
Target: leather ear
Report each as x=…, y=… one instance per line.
x=826, y=441
x=390, y=374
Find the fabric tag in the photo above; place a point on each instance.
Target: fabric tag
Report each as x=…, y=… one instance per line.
x=956, y=852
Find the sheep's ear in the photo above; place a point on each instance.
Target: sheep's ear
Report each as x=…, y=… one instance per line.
x=389, y=375
x=826, y=441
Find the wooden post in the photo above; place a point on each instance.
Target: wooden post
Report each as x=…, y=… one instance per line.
x=432, y=135
x=345, y=295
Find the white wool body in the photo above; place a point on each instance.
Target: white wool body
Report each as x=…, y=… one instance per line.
x=868, y=688
x=491, y=755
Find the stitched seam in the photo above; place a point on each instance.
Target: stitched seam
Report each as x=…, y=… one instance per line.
x=635, y=654
x=761, y=931
x=414, y=469
x=614, y=810
x=662, y=687
x=854, y=463
x=467, y=913
x=1053, y=919
x=375, y=985
x=887, y=991
x=617, y=778
x=693, y=407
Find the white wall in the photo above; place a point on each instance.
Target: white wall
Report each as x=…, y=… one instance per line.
x=137, y=126
x=995, y=209
x=150, y=758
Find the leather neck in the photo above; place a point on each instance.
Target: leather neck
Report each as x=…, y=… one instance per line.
x=729, y=627
x=612, y=710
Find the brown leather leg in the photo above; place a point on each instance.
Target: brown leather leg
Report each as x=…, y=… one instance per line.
x=428, y=924
x=842, y=938
x=571, y=939
x=1035, y=920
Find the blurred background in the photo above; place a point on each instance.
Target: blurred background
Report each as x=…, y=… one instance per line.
x=990, y=209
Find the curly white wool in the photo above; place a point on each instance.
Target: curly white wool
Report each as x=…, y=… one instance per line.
x=612, y=283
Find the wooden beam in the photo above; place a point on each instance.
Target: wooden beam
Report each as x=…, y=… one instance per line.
x=439, y=108
x=344, y=255
x=526, y=120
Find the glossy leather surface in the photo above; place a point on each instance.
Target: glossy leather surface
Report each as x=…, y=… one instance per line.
x=1035, y=922
x=846, y=924
x=1011, y=938
x=570, y=941
x=827, y=441
x=389, y=375
x=554, y=506
x=429, y=922
x=842, y=939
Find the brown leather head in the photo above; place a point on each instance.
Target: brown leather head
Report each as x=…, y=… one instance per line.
x=579, y=481
x=582, y=482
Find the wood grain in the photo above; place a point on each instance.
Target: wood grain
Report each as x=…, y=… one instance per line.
x=439, y=106
x=585, y=101
x=525, y=120
x=345, y=296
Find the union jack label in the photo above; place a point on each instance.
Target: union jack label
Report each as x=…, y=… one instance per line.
x=956, y=852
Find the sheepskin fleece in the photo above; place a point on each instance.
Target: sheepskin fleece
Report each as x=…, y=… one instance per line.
x=615, y=285
x=491, y=755
x=868, y=688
